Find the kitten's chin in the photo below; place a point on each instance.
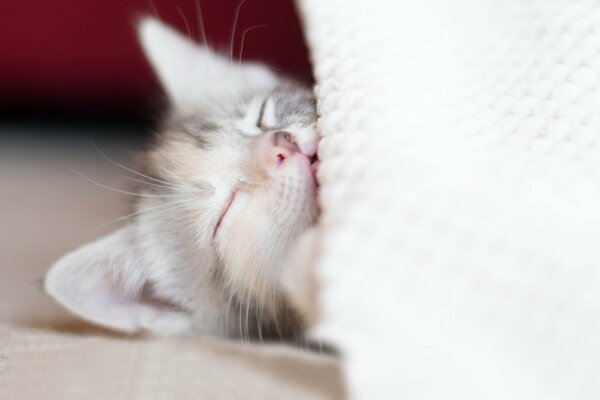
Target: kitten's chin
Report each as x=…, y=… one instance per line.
x=306, y=168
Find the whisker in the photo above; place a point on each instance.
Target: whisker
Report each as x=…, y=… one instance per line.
x=259, y=325
x=240, y=315
x=261, y=26
x=277, y=327
x=235, y=21
x=247, y=315
x=200, y=16
x=115, y=189
x=258, y=311
x=187, y=26
x=131, y=178
x=174, y=205
x=105, y=157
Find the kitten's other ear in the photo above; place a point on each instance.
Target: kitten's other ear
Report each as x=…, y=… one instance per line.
x=102, y=282
x=192, y=73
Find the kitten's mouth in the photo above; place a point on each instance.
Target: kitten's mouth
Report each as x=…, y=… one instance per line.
x=314, y=168
x=226, y=207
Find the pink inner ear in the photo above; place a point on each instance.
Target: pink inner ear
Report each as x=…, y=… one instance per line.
x=102, y=290
x=98, y=298
x=98, y=283
x=111, y=307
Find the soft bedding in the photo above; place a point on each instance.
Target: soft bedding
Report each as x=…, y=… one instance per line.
x=461, y=195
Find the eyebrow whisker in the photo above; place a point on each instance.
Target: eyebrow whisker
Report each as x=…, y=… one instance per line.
x=173, y=205
x=113, y=162
x=115, y=189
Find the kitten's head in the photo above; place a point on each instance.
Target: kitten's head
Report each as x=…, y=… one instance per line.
x=229, y=188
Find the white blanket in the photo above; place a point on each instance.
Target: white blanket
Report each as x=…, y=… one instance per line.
x=461, y=195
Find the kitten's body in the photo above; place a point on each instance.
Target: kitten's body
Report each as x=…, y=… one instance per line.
x=229, y=188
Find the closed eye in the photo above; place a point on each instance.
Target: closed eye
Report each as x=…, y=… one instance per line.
x=224, y=210
x=266, y=117
x=253, y=123
x=261, y=114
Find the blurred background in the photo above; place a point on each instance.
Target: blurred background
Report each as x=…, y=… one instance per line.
x=73, y=58
x=76, y=98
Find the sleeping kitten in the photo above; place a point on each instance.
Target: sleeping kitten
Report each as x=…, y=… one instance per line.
x=230, y=188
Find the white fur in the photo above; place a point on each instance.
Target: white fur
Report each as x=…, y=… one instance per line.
x=174, y=269
x=191, y=73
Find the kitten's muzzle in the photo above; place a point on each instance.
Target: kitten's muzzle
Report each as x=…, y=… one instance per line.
x=285, y=146
x=305, y=142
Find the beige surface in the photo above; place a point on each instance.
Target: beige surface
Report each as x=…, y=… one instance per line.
x=46, y=210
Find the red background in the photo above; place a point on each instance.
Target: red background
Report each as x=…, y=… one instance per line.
x=83, y=54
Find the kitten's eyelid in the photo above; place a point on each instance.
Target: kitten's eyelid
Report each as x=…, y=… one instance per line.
x=261, y=113
x=250, y=133
x=267, y=118
x=250, y=125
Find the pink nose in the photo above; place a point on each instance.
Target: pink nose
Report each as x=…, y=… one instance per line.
x=284, y=146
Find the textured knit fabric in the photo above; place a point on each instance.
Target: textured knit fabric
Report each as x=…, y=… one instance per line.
x=461, y=195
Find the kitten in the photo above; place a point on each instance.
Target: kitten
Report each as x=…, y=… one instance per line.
x=230, y=188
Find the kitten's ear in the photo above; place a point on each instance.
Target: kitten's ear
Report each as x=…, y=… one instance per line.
x=102, y=282
x=193, y=73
